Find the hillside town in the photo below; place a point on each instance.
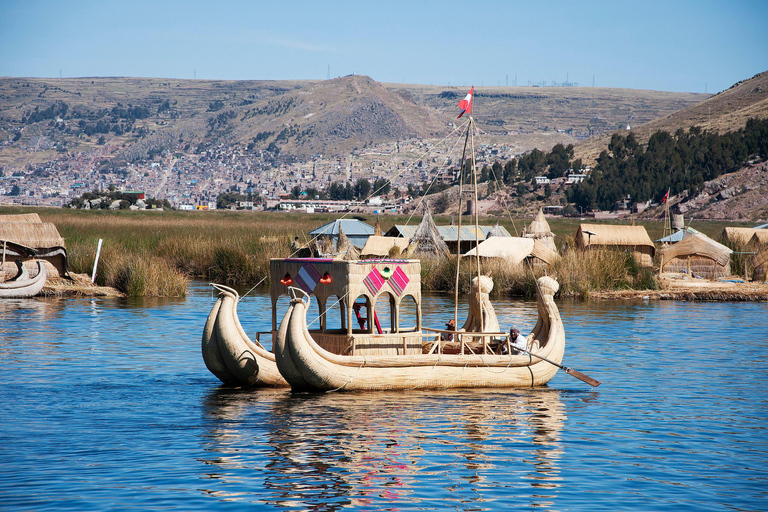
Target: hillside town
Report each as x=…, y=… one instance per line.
x=194, y=181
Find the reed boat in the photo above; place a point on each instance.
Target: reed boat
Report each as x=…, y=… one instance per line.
x=229, y=353
x=368, y=357
x=22, y=285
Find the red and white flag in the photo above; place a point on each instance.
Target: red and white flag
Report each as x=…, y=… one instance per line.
x=466, y=104
x=666, y=196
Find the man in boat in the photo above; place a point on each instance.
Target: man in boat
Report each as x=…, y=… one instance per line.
x=451, y=326
x=517, y=340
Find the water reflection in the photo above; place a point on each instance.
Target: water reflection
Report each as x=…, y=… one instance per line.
x=328, y=451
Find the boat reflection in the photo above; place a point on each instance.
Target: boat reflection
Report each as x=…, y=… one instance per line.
x=335, y=450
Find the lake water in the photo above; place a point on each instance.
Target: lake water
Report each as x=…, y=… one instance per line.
x=106, y=404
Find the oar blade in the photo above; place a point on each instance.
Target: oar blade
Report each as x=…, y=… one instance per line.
x=584, y=378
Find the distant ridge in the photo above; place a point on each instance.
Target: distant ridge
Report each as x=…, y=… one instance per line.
x=44, y=119
x=726, y=111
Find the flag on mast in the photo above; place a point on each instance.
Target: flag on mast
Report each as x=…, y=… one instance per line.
x=666, y=196
x=466, y=104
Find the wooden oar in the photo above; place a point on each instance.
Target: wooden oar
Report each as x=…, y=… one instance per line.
x=570, y=371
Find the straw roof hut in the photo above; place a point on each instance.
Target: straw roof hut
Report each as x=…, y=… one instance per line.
x=42, y=237
x=741, y=236
x=426, y=240
x=21, y=217
x=515, y=250
x=760, y=264
x=631, y=238
x=759, y=239
x=539, y=229
x=382, y=246
x=697, y=255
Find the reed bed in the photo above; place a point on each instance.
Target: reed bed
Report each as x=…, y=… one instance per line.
x=157, y=253
x=579, y=274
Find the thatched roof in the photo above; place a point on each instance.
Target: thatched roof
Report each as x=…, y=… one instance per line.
x=539, y=227
x=544, y=252
x=345, y=249
x=698, y=244
x=426, y=239
x=32, y=234
x=512, y=249
x=741, y=235
x=380, y=246
x=22, y=217
x=760, y=258
x=760, y=238
x=612, y=235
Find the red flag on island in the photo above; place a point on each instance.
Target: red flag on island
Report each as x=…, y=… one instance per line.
x=466, y=104
x=666, y=196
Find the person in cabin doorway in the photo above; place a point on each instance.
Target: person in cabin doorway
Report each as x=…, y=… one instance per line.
x=450, y=325
x=518, y=341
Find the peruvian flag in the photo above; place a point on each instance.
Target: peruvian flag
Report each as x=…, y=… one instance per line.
x=666, y=196
x=466, y=104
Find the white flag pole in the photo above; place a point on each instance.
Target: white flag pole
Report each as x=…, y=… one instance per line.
x=96, y=261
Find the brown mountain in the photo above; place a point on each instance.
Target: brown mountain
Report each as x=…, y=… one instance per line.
x=43, y=119
x=726, y=111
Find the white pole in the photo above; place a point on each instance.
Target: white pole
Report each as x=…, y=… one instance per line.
x=96, y=261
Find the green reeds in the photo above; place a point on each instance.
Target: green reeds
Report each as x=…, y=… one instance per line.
x=579, y=273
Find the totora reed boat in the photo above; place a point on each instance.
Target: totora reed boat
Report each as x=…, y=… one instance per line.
x=372, y=358
x=23, y=286
x=366, y=330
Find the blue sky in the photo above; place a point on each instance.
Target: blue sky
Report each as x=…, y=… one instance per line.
x=663, y=45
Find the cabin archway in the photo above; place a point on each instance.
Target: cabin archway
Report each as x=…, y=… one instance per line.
x=385, y=313
x=408, y=312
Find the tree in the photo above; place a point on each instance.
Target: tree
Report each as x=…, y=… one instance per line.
x=381, y=187
x=296, y=192
x=362, y=188
x=15, y=191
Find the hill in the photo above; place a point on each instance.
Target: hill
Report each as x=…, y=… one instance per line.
x=726, y=111
x=43, y=119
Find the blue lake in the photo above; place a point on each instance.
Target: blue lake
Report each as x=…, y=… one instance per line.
x=106, y=404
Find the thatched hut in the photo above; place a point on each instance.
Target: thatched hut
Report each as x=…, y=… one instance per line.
x=42, y=238
x=740, y=237
x=515, y=250
x=383, y=246
x=758, y=240
x=760, y=264
x=539, y=230
x=426, y=240
x=630, y=238
x=697, y=255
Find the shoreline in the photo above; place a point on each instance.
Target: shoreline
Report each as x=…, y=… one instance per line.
x=676, y=288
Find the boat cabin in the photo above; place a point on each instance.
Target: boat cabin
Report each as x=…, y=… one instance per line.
x=364, y=307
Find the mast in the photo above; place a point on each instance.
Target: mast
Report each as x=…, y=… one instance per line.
x=458, y=229
x=477, y=216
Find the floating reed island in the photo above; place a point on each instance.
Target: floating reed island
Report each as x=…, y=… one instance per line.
x=157, y=253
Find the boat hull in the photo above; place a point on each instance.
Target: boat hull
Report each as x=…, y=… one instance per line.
x=306, y=365
x=24, y=287
x=230, y=354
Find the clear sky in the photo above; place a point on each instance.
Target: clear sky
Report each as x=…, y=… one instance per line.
x=664, y=45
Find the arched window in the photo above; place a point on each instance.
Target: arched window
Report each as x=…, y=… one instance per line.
x=409, y=319
x=361, y=312
x=385, y=313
